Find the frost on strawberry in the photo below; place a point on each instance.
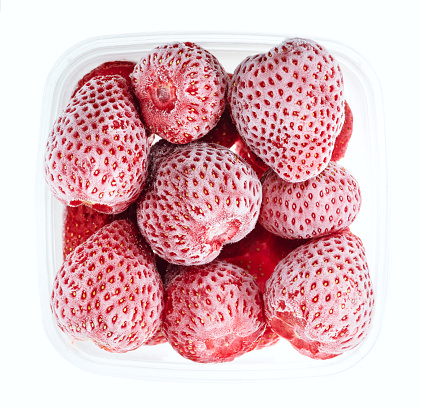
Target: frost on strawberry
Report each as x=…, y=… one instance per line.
x=97, y=151
x=200, y=196
x=213, y=313
x=259, y=253
x=109, y=291
x=320, y=297
x=288, y=105
x=181, y=89
x=326, y=203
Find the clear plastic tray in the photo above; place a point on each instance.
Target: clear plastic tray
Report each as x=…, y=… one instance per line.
x=365, y=159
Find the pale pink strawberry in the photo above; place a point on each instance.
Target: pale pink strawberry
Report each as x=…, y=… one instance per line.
x=181, y=89
x=109, y=291
x=97, y=151
x=200, y=196
x=320, y=297
x=213, y=312
x=326, y=203
x=288, y=105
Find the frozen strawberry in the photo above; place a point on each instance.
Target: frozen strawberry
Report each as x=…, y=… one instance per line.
x=181, y=89
x=243, y=150
x=267, y=339
x=158, y=338
x=97, y=151
x=200, y=197
x=224, y=133
x=259, y=253
x=213, y=313
x=341, y=142
x=324, y=204
x=288, y=105
x=79, y=224
x=108, y=290
x=123, y=68
x=320, y=297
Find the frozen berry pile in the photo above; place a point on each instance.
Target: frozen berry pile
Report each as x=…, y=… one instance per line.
x=209, y=210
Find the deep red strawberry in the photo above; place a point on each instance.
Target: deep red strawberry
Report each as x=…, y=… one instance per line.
x=341, y=142
x=213, y=313
x=320, y=297
x=108, y=290
x=79, y=223
x=181, y=89
x=122, y=68
x=324, y=204
x=243, y=150
x=200, y=197
x=97, y=151
x=224, y=133
x=259, y=253
x=288, y=105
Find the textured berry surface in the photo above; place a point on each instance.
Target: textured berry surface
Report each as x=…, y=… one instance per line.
x=324, y=204
x=122, y=68
x=288, y=105
x=342, y=141
x=199, y=198
x=97, y=151
x=213, y=313
x=224, y=133
x=220, y=246
x=79, y=224
x=181, y=89
x=259, y=253
x=108, y=290
x=320, y=297
x=243, y=150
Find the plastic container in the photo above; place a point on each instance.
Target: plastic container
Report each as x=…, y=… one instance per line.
x=365, y=158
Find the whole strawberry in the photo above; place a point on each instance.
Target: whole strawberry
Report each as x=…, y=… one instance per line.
x=181, y=89
x=320, y=297
x=97, y=151
x=213, y=313
x=199, y=197
x=288, y=105
x=326, y=203
x=109, y=291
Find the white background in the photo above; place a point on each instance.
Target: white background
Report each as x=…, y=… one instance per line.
x=34, y=34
